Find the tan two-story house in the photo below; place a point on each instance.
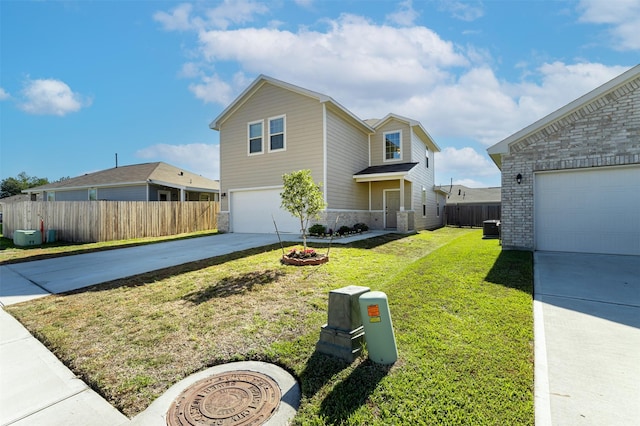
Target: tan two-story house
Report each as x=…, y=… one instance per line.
x=377, y=172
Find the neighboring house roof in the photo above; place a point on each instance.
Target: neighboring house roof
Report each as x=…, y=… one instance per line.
x=384, y=172
x=157, y=173
x=263, y=79
x=460, y=194
x=502, y=147
x=15, y=199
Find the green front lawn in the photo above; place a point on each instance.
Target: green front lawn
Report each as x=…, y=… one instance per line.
x=462, y=313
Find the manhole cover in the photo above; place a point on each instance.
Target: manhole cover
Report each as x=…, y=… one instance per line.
x=232, y=398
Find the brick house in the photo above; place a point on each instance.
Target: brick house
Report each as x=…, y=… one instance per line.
x=571, y=181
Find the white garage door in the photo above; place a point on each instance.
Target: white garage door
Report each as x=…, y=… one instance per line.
x=251, y=212
x=588, y=210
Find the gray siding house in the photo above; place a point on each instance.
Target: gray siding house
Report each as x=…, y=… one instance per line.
x=138, y=182
x=571, y=181
x=378, y=172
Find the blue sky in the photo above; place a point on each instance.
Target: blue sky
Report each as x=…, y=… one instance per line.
x=83, y=80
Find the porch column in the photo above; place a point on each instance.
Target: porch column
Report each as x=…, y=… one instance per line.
x=401, y=194
x=182, y=192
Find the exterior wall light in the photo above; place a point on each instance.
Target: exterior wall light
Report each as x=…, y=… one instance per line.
x=519, y=178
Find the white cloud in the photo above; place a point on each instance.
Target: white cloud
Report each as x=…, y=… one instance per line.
x=405, y=16
x=464, y=164
x=227, y=13
x=623, y=17
x=51, y=97
x=202, y=159
x=4, y=95
x=463, y=10
x=212, y=89
x=178, y=20
x=394, y=61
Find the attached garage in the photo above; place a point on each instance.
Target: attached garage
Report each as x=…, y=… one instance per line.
x=595, y=210
x=253, y=211
x=571, y=180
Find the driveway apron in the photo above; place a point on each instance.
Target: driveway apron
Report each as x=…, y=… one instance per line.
x=587, y=339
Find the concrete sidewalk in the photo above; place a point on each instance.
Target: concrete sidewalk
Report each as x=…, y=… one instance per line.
x=35, y=387
x=587, y=339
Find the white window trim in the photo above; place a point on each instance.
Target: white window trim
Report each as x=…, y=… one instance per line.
x=284, y=133
x=89, y=194
x=384, y=146
x=261, y=122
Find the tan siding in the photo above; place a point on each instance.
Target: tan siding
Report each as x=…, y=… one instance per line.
x=303, y=140
x=348, y=153
x=377, y=143
x=423, y=177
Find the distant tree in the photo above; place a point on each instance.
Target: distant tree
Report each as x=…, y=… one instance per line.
x=302, y=197
x=15, y=185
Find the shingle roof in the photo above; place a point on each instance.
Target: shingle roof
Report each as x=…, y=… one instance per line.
x=387, y=168
x=460, y=194
x=136, y=173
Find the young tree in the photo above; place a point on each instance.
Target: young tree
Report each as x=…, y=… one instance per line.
x=302, y=197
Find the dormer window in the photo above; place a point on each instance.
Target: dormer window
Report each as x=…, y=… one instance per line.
x=392, y=145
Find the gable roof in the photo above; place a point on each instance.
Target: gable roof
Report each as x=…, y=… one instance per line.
x=159, y=173
x=460, y=194
x=414, y=124
x=502, y=147
x=262, y=80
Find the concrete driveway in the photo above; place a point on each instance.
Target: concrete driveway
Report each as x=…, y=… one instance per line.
x=587, y=339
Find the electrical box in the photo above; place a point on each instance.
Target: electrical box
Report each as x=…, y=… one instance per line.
x=343, y=334
x=27, y=237
x=378, y=328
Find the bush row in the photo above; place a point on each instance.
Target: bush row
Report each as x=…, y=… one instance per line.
x=321, y=230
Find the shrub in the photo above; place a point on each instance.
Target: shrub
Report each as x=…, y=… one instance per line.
x=360, y=227
x=317, y=229
x=344, y=230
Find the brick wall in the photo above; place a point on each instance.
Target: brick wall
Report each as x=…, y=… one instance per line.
x=604, y=132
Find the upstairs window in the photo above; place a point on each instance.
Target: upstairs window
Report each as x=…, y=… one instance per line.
x=276, y=134
x=255, y=137
x=427, y=158
x=392, y=146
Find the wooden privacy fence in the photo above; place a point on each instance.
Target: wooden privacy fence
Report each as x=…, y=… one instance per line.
x=94, y=221
x=470, y=214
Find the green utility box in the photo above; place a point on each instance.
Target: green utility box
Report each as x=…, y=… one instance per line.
x=378, y=328
x=342, y=336
x=27, y=237
x=51, y=235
